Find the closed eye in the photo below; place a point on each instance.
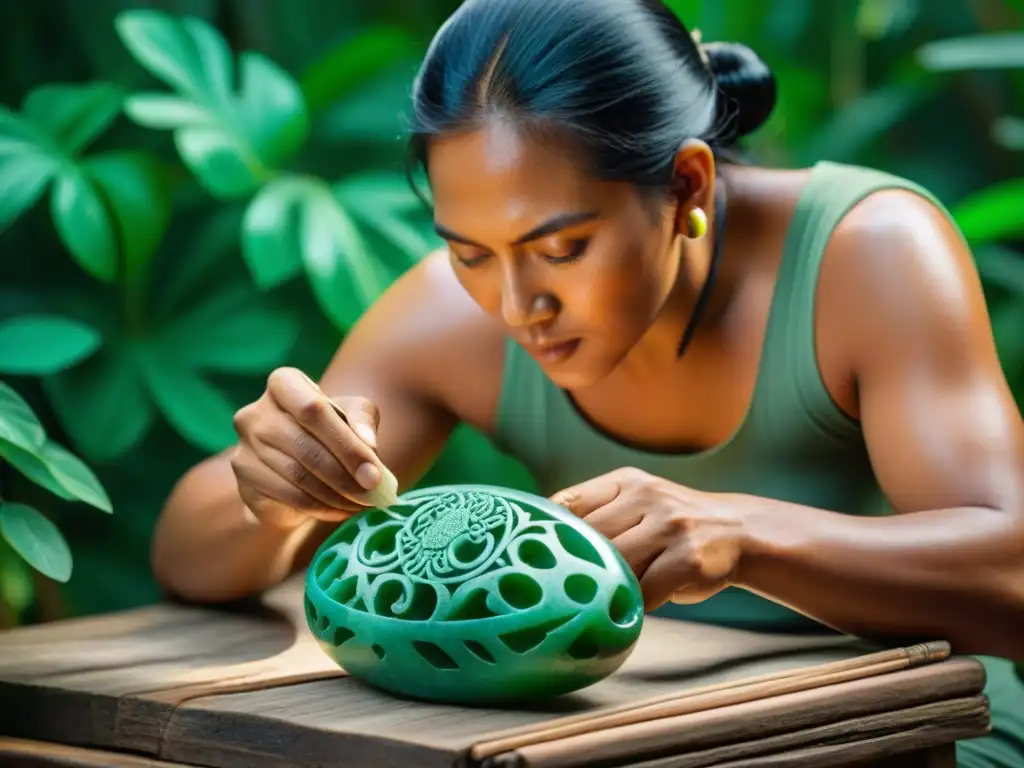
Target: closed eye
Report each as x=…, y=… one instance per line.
x=576, y=250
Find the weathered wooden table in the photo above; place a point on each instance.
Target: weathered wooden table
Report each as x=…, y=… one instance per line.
x=170, y=685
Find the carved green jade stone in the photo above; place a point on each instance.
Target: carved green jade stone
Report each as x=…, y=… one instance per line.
x=473, y=594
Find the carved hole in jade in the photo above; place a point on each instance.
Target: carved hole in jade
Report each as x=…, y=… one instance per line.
x=343, y=590
x=474, y=607
x=378, y=651
x=525, y=640
x=621, y=609
x=434, y=655
x=580, y=588
x=340, y=635
x=520, y=591
x=584, y=647
x=480, y=651
x=536, y=554
x=576, y=544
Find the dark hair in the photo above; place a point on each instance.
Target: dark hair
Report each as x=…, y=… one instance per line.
x=624, y=77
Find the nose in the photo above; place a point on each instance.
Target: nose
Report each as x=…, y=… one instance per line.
x=522, y=303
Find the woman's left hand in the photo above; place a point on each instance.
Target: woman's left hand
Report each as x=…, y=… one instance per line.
x=683, y=545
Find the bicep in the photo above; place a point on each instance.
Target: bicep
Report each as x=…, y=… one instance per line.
x=941, y=425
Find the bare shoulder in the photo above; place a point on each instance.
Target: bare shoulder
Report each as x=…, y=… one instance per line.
x=428, y=337
x=899, y=277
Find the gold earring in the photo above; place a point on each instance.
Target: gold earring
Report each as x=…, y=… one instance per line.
x=696, y=223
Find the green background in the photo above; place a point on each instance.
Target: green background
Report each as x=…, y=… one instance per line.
x=194, y=192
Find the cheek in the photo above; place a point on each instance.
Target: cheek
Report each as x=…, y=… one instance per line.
x=625, y=288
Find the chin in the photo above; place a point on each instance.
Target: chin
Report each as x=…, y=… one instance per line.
x=578, y=373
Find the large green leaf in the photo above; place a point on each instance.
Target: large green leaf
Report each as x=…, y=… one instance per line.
x=270, y=246
x=194, y=407
x=73, y=116
x=18, y=424
x=16, y=588
x=994, y=50
x=75, y=477
x=56, y=123
x=302, y=216
x=235, y=330
x=62, y=474
x=994, y=213
x=84, y=224
x=44, y=344
x=103, y=403
x=368, y=53
x=230, y=141
x=379, y=201
x=36, y=539
x=136, y=187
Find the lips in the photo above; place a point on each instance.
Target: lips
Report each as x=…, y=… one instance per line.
x=553, y=352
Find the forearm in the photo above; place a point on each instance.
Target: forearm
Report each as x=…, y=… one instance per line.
x=954, y=574
x=207, y=547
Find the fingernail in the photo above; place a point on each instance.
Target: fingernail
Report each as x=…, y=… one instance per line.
x=368, y=476
x=366, y=435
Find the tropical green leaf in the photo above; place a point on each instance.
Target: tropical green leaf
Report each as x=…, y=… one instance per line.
x=18, y=424
x=236, y=330
x=1008, y=131
x=194, y=407
x=59, y=472
x=136, y=187
x=75, y=477
x=230, y=141
x=32, y=466
x=73, y=116
x=84, y=224
x=25, y=169
x=16, y=588
x=36, y=539
x=44, y=344
x=270, y=244
x=102, y=404
x=302, y=216
x=1003, y=267
x=993, y=213
x=378, y=201
x=368, y=53
x=993, y=50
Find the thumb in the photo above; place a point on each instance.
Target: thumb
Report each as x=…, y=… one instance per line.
x=362, y=416
x=589, y=496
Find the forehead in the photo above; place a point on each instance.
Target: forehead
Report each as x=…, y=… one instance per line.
x=497, y=177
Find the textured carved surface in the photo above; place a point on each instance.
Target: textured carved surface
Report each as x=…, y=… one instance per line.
x=473, y=594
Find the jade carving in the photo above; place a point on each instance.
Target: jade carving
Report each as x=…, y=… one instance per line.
x=473, y=594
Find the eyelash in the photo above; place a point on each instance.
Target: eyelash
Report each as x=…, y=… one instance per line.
x=579, y=247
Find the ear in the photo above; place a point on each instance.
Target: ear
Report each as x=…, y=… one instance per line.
x=693, y=181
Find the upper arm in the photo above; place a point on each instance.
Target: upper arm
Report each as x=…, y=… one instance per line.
x=427, y=357
x=941, y=425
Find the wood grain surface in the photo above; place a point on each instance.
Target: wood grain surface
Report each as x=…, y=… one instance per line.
x=247, y=687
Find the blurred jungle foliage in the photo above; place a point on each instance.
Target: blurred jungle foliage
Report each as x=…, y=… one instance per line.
x=194, y=192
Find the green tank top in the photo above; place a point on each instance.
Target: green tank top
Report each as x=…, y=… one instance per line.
x=794, y=443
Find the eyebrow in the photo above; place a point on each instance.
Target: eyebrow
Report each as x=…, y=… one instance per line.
x=552, y=225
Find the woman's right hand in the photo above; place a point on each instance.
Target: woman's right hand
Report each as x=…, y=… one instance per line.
x=301, y=455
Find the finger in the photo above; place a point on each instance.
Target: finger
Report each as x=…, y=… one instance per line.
x=318, y=415
x=640, y=547
x=273, y=499
x=615, y=517
x=584, y=498
x=302, y=472
x=362, y=416
x=309, y=456
x=672, y=576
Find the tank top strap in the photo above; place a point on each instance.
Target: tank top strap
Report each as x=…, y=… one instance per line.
x=789, y=379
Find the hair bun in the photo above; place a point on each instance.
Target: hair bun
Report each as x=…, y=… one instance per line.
x=746, y=82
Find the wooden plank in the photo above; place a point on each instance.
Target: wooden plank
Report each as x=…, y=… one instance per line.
x=897, y=739
x=22, y=753
x=250, y=687
x=777, y=716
